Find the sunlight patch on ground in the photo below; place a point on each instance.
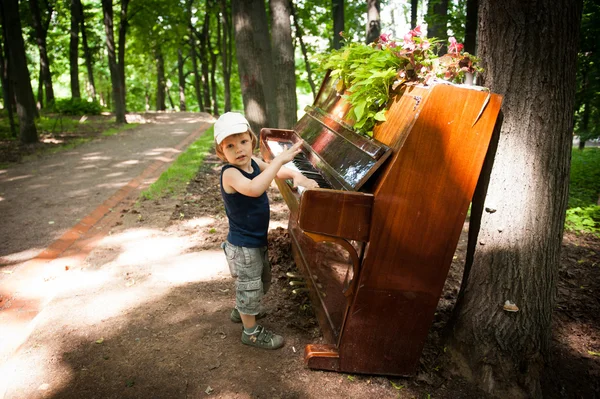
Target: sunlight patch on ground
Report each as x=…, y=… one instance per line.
x=19, y=178
x=160, y=151
x=95, y=158
x=22, y=256
x=193, y=267
x=127, y=163
x=198, y=222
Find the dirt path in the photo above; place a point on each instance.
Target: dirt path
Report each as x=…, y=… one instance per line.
x=138, y=306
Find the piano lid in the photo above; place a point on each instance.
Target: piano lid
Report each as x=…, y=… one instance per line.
x=343, y=154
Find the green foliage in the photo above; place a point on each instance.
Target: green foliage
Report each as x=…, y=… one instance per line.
x=370, y=74
x=174, y=179
x=76, y=106
x=584, y=213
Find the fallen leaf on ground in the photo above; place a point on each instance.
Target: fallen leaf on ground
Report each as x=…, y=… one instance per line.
x=99, y=341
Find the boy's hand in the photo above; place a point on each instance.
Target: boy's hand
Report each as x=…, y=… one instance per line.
x=289, y=154
x=305, y=182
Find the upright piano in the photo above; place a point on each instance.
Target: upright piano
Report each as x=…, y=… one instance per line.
x=375, y=241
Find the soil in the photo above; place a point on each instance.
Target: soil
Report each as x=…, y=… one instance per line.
x=146, y=315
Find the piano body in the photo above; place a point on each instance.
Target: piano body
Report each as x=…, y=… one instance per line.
x=376, y=243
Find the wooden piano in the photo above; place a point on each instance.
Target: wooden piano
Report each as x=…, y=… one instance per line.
x=376, y=241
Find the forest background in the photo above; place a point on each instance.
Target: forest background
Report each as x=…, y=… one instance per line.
x=127, y=56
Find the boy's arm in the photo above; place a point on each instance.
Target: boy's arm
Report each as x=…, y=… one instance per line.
x=285, y=173
x=234, y=180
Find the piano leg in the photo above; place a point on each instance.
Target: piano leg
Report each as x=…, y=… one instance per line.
x=322, y=357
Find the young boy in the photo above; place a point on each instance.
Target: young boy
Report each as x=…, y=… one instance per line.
x=244, y=181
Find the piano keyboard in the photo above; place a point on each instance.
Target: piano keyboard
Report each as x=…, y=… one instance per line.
x=299, y=164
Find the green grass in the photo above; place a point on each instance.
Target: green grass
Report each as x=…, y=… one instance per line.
x=174, y=180
x=583, y=213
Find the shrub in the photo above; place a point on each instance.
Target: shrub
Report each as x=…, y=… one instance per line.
x=76, y=106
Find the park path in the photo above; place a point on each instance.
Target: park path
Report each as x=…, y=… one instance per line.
x=55, y=204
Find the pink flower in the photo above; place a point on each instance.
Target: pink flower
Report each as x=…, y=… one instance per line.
x=384, y=37
x=454, y=47
x=392, y=44
x=425, y=45
x=416, y=31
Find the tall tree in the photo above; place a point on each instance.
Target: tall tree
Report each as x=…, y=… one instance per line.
x=264, y=56
x=123, y=24
x=437, y=19
x=284, y=64
x=160, y=80
x=87, y=54
x=7, y=92
x=74, y=48
x=249, y=70
x=337, y=8
x=373, y=21
x=18, y=72
x=115, y=76
x=181, y=79
x=41, y=32
x=518, y=210
x=471, y=27
x=226, y=49
x=414, y=8
x=193, y=54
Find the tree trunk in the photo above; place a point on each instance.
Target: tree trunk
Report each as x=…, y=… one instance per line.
x=160, y=81
x=181, y=78
x=299, y=35
x=373, y=21
x=86, y=52
x=6, y=87
x=471, y=27
x=18, y=73
x=205, y=59
x=115, y=78
x=414, y=9
x=284, y=64
x=264, y=57
x=437, y=21
x=337, y=8
x=74, y=50
x=226, y=53
x=249, y=68
x=193, y=56
x=40, y=37
x=519, y=206
x=213, y=83
x=123, y=24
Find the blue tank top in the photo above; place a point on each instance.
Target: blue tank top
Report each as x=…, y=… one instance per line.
x=248, y=216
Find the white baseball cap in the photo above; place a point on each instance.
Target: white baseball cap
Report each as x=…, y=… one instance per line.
x=228, y=124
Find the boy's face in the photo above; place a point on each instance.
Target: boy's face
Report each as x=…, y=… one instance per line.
x=237, y=149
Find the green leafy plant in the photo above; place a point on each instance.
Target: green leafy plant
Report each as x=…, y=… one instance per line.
x=583, y=214
x=371, y=74
x=76, y=106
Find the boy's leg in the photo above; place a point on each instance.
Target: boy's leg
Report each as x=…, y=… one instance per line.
x=248, y=320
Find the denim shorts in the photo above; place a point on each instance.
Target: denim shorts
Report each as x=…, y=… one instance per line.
x=252, y=270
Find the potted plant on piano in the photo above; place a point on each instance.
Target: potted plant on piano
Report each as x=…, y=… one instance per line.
x=371, y=74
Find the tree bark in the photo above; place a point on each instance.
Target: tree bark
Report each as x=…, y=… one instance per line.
x=226, y=53
x=471, y=27
x=160, y=81
x=373, y=21
x=115, y=76
x=205, y=58
x=87, y=53
x=74, y=49
x=337, y=8
x=41, y=31
x=414, y=8
x=284, y=64
x=6, y=87
x=437, y=21
x=264, y=57
x=249, y=68
x=519, y=206
x=123, y=24
x=193, y=56
x=18, y=71
x=181, y=78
